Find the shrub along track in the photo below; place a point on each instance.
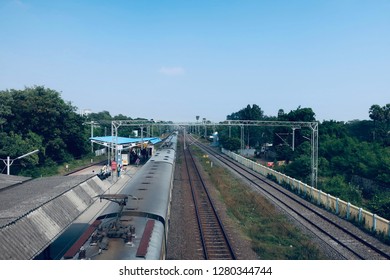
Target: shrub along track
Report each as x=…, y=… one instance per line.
x=347, y=241
x=254, y=225
x=184, y=241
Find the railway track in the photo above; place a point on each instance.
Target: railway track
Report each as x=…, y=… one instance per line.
x=214, y=241
x=345, y=239
x=90, y=168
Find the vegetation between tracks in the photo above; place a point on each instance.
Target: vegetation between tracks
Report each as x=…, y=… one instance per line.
x=77, y=164
x=272, y=235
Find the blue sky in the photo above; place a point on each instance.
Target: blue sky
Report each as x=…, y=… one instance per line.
x=174, y=60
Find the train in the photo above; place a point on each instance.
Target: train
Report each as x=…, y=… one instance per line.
x=135, y=224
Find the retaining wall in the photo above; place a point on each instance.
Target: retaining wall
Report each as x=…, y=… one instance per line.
x=335, y=205
x=31, y=233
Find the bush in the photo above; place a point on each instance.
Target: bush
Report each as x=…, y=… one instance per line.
x=338, y=187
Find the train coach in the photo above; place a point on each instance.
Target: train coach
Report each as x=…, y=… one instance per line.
x=135, y=224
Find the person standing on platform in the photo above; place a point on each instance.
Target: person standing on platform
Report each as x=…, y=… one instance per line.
x=119, y=170
x=113, y=168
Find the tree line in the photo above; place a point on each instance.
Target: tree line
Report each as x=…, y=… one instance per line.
x=38, y=118
x=354, y=156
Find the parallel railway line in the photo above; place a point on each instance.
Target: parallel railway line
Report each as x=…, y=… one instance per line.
x=214, y=240
x=347, y=241
x=83, y=169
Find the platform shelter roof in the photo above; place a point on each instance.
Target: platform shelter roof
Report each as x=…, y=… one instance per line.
x=106, y=140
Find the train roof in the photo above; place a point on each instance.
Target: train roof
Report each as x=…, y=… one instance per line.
x=150, y=190
x=142, y=206
x=146, y=244
x=167, y=156
x=147, y=204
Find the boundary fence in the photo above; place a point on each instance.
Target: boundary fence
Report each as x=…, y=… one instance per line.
x=343, y=209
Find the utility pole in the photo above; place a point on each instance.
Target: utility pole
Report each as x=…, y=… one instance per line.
x=197, y=126
x=10, y=161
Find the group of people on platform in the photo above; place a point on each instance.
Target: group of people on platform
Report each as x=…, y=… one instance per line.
x=134, y=159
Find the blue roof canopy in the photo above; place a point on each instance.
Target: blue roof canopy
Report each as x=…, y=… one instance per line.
x=105, y=140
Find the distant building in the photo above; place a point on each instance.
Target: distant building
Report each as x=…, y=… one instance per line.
x=85, y=112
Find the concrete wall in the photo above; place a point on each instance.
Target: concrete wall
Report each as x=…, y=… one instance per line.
x=335, y=205
x=30, y=234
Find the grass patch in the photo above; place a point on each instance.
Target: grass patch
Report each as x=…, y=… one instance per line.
x=273, y=237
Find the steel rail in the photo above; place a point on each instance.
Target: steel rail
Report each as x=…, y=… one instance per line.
x=292, y=197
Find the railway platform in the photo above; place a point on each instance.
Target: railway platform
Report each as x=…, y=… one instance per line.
x=35, y=213
x=115, y=185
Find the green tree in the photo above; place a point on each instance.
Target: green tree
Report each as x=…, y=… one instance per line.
x=40, y=115
x=5, y=108
x=361, y=130
x=100, y=116
x=248, y=113
x=14, y=145
x=381, y=117
x=283, y=135
x=232, y=144
x=339, y=187
x=300, y=114
x=253, y=136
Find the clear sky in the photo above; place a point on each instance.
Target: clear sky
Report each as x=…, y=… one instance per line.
x=174, y=60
